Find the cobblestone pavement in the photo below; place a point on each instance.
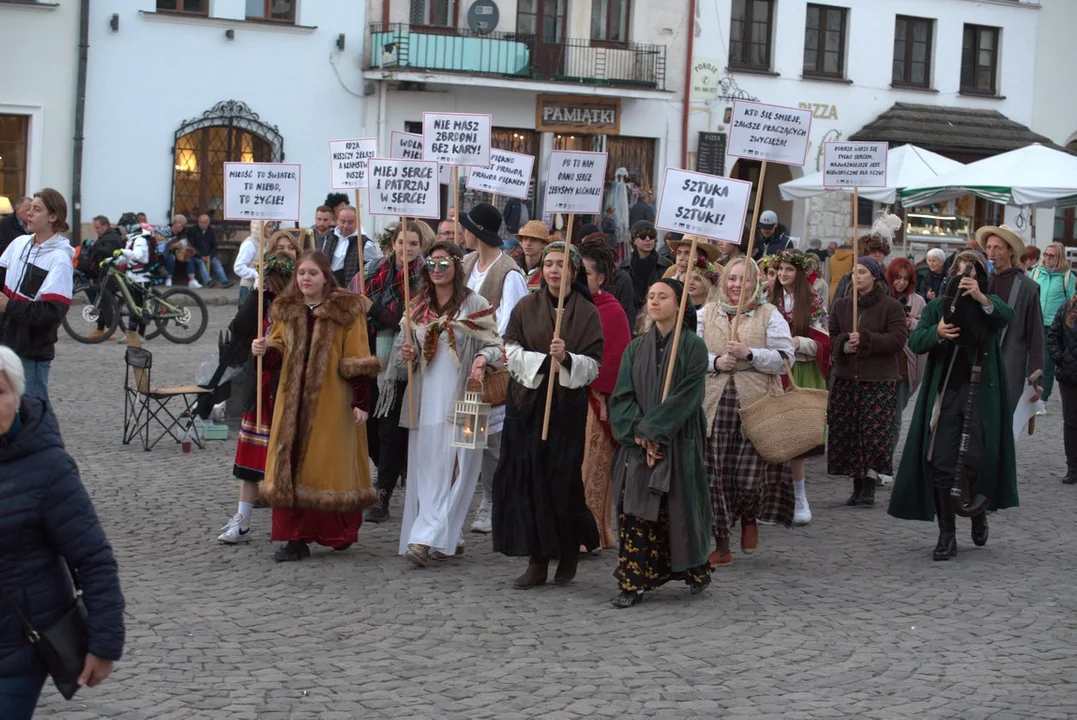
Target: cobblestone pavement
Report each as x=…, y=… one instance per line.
x=848, y=617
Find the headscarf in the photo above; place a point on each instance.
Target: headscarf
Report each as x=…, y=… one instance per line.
x=574, y=256
x=871, y=266
x=752, y=301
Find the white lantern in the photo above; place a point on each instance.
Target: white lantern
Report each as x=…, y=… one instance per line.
x=471, y=421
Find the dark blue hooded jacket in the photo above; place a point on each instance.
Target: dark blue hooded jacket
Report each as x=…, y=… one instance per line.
x=45, y=516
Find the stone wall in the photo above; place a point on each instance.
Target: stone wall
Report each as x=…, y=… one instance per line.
x=829, y=217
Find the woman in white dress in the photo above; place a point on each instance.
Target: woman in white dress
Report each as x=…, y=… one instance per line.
x=453, y=338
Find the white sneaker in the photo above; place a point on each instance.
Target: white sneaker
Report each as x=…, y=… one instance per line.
x=168, y=282
x=238, y=530
x=886, y=479
x=1041, y=412
x=802, y=513
x=194, y=284
x=483, y=521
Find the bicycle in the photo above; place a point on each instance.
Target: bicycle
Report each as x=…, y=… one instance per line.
x=175, y=309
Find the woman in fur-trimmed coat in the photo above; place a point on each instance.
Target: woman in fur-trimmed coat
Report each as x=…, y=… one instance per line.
x=317, y=475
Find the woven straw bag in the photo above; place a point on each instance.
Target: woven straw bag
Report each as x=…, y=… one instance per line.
x=783, y=427
x=493, y=386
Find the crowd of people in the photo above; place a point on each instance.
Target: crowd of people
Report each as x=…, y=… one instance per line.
x=620, y=425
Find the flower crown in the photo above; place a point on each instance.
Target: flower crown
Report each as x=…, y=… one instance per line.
x=769, y=262
x=793, y=257
x=279, y=265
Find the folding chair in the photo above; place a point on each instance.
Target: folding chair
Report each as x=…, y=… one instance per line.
x=145, y=405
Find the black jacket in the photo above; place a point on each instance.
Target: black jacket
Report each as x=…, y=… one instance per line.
x=778, y=242
x=46, y=516
x=1062, y=347
x=625, y=281
x=640, y=211
x=105, y=244
x=9, y=230
x=204, y=242
x=514, y=214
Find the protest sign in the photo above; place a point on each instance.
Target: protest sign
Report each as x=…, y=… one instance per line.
x=409, y=146
x=347, y=162
x=707, y=205
x=854, y=164
x=403, y=188
x=769, y=132
x=261, y=191
x=509, y=174
x=575, y=182
x=457, y=139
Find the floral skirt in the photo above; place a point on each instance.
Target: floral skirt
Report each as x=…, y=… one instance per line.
x=860, y=420
x=643, y=561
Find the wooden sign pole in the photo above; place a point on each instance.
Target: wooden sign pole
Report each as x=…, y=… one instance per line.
x=680, y=319
x=856, y=254
x=557, y=327
x=261, y=327
x=359, y=229
x=407, y=318
x=456, y=204
x=744, y=290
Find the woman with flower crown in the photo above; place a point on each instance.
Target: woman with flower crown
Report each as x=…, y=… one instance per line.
x=802, y=308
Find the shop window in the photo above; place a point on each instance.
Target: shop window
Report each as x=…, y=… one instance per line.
x=229, y=132
x=750, y=34
x=824, y=41
x=273, y=10
x=187, y=7
x=14, y=134
x=979, y=60
x=912, y=51
x=609, y=20
x=633, y=154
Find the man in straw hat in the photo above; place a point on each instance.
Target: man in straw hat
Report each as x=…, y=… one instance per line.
x=706, y=252
x=1022, y=341
x=534, y=236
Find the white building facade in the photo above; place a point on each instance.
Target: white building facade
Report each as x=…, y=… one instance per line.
x=605, y=75
x=866, y=68
x=178, y=87
x=37, y=96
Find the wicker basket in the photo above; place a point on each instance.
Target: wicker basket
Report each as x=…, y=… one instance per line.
x=783, y=427
x=493, y=386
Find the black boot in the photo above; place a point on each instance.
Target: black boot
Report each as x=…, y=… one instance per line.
x=858, y=486
x=1071, y=478
x=979, y=530
x=380, y=511
x=566, y=566
x=537, y=568
x=944, y=512
x=867, y=492
x=291, y=551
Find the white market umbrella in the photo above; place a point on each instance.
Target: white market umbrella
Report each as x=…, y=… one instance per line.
x=1034, y=175
x=906, y=166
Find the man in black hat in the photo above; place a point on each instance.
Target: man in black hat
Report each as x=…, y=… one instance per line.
x=496, y=276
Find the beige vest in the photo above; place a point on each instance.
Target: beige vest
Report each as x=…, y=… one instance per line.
x=751, y=384
x=494, y=282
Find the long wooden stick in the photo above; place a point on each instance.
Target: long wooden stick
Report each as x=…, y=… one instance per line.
x=456, y=204
x=744, y=290
x=359, y=229
x=261, y=327
x=856, y=252
x=554, y=367
x=680, y=318
x=407, y=318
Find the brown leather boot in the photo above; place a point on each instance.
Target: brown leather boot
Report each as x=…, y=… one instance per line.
x=535, y=574
x=566, y=567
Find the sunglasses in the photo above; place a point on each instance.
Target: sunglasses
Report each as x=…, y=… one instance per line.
x=438, y=265
x=647, y=234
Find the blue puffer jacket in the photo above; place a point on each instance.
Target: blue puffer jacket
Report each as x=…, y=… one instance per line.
x=46, y=516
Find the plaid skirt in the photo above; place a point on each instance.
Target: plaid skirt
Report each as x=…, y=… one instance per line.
x=743, y=485
x=860, y=432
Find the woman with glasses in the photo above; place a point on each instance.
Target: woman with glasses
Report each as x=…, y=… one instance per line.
x=453, y=338
x=1057, y=285
x=643, y=266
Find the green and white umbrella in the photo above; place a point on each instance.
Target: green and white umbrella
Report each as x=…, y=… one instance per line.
x=1035, y=175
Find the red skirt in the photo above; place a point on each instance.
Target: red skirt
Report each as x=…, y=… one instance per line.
x=253, y=444
x=331, y=529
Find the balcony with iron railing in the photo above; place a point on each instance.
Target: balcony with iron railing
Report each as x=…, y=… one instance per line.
x=402, y=47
